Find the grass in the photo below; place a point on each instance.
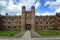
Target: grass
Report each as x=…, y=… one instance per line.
x=48, y=32
x=9, y=32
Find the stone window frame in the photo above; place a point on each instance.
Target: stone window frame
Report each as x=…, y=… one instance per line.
x=52, y=22
x=46, y=22
x=19, y=22
x=41, y=26
x=41, y=22
x=15, y=27
x=4, y=26
x=9, y=22
x=19, y=26
x=8, y=26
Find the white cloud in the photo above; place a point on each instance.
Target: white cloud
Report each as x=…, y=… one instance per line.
x=18, y=14
x=38, y=14
x=47, y=3
x=3, y=13
x=45, y=13
x=53, y=4
x=57, y=10
x=48, y=13
x=3, y=3
x=15, y=9
x=37, y=4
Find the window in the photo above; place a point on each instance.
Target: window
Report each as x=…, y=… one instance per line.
x=43, y=18
x=20, y=23
x=14, y=26
x=4, y=26
x=27, y=15
x=40, y=26
x=36, y=22
x=9, y=22
x=58, y=20
x=47, y=26
x=50, y=22
x=41, y=23
x=15, y=22
x=8, y=26
x=53, y=22
x=46, y=22
x=19, y=26
x=5, y=22
x=44, y=27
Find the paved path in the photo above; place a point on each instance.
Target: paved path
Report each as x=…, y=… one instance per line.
x=28, y=39
x=34, y=35
x=27, y=36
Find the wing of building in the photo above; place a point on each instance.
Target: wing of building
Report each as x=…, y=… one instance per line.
x=29, y=21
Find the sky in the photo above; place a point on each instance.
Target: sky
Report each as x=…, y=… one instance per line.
x=42, y=7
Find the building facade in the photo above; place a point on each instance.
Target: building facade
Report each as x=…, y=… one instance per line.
x=29, y=21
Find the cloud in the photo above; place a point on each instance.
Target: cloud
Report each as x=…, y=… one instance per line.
x=57, y=10
x=15, y=9
x=37, y=4
x=47, y=3
x=53, y=4
x=3, y=13
x=38, y=14
x=45, y=13
x=4, y=2
x=48, y=13
x=27, y=3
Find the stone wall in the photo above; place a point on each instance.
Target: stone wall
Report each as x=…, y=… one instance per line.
x=29, y=18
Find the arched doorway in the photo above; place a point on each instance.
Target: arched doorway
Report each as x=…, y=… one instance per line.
x=28, y=27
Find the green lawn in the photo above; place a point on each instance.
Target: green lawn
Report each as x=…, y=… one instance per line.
x=48, y=32
x=9, y=32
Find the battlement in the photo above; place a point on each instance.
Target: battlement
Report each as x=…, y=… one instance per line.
x=32, y=8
